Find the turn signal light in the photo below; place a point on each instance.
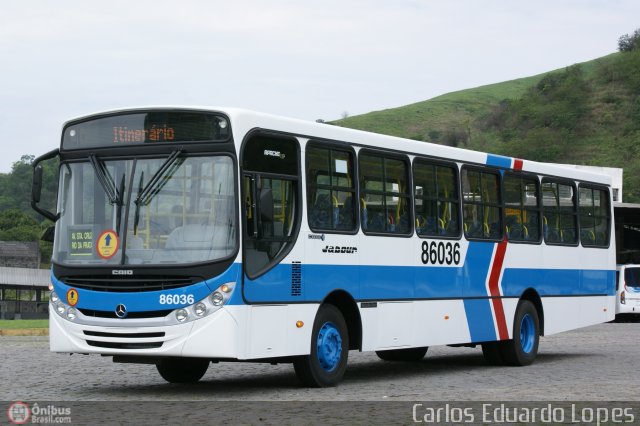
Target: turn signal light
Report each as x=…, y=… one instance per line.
x=299, y=324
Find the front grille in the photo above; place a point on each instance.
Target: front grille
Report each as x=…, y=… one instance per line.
x=114, y=284
x=132, y=345
x=124, y=335
x=130, y=315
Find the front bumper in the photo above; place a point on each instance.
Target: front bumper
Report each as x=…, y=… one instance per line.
x=214, y=336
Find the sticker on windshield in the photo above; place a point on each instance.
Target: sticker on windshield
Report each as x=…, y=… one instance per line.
x=80, y=240
x=107, y=244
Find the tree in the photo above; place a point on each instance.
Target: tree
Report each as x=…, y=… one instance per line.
x=14, y=218
x=629, y=43
x=15, y=187
x=18, y=221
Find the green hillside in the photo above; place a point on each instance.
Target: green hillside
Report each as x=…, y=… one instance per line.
x=587, y=113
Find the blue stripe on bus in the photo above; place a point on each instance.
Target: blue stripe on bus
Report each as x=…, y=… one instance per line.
x=150, y=301
x=382, y=283
x=476, y=269
x=558, y=281
x=498, y=161
x=423, y=282
x=480, y=320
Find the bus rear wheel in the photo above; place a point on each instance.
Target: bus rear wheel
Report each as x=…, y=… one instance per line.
x=182, y=370
x=523, y=348
x=409, y=354
x=327, y=362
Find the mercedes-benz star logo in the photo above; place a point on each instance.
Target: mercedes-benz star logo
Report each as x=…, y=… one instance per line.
x=121, y=311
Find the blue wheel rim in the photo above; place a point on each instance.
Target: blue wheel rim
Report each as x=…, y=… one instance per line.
x=527, y=333
x=329, y=346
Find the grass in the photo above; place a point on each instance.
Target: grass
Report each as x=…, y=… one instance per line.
x=23, y=324
x=452, y=110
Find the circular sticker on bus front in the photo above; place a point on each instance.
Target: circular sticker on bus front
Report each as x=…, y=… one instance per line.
x=72, y=297
x=107, y=244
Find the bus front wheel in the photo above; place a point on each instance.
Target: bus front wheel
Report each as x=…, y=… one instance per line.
x=182, y=370
x=327, y=362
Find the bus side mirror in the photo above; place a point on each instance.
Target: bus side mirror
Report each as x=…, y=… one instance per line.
x=36, y=185
x=48, y=234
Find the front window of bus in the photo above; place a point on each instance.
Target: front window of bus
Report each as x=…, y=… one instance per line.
x=187, y=217
x=179, y=210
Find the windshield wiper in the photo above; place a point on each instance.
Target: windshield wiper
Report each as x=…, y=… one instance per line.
x=105, y=179
x=114, y=194
x=136, y=217
x=156, y=183
x=119, y=204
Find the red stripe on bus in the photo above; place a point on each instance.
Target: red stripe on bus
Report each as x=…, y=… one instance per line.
x=494, y=289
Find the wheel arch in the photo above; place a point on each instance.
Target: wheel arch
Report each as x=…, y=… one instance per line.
x=349, y=310
x=532, y=296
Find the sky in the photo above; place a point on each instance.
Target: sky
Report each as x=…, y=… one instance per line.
x=306, y=59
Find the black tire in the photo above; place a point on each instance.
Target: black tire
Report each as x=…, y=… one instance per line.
x=182, y=370
x=492, y=354
x=326, y=369
x=523, y=348
x=408, y=355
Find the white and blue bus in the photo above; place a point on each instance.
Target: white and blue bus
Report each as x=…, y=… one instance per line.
x=186, y=236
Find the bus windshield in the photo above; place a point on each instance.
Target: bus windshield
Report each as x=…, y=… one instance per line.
x=171, y=210
x=632, y=277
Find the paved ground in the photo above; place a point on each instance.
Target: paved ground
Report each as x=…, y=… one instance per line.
x=593, y=364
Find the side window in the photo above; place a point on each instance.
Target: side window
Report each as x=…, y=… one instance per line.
x=436, y=202
x=595, y=217
x=559, y=217
x=521, y=207
x=385, y=196
x=481, y=204
x=270, y=190
x=331, y=191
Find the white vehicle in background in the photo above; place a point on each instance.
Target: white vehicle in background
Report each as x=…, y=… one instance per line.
x=628, y=290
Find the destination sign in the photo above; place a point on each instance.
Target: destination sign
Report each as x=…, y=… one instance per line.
x=146, y=128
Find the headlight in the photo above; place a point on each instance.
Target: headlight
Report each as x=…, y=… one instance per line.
x=206, y=306
x=182, y=315
x=60, y=308
x=217, y=299
x=200, y=309
x=71, y=314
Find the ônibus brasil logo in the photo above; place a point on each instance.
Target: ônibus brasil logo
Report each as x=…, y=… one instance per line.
x=19, y=413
